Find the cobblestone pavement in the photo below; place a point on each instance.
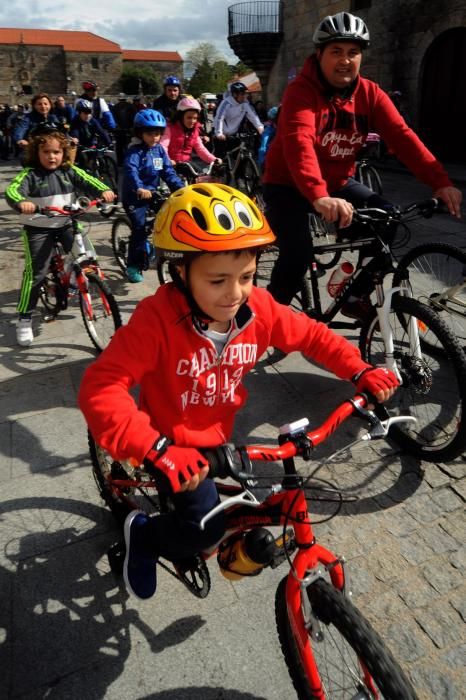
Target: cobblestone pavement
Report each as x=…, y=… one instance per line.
x=67, y=627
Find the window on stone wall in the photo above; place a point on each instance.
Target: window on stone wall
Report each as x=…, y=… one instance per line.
x=80, y=67
x=360, y=5
x=95, y=63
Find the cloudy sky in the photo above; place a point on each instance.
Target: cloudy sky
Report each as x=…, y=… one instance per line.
x=175, y=25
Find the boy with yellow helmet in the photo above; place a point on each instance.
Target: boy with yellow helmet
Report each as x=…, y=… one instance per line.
x=188, y=347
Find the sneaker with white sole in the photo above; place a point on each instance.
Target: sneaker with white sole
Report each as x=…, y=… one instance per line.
x=24, y=334
x=140, y=567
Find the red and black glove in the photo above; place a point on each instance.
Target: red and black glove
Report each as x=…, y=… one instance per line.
x=173, y=466
x=375, y=379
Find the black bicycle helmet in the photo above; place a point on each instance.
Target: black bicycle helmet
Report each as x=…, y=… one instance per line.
x=44, y=128
x=237, y=88
x=341, y=27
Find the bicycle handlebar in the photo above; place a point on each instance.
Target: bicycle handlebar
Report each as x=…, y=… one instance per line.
x=293, y=438
x=425, y=207
x=80, y=207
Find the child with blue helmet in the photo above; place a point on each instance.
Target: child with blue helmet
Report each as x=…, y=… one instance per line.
x=146, y=162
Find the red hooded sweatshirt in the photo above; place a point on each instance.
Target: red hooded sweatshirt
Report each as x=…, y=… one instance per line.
x=320, y=133
x=188, y=391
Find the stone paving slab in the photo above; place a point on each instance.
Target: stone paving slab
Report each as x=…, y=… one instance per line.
x=67, y=626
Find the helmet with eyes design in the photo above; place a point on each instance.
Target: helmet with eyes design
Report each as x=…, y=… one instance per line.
x=209, y=218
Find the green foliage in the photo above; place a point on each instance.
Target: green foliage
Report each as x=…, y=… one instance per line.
x=210, y=78
x=204, y=53
x=137, y=80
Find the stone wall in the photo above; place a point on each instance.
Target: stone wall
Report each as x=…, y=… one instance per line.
x=103, y=68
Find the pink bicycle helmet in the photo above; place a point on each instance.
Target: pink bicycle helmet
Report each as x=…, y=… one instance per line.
x=187, y=103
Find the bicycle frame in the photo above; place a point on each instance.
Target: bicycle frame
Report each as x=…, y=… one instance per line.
x=374, y=272
x=237, y=156
x=252, y=505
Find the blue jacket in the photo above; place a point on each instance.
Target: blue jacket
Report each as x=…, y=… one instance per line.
x=143, y=167
x=27, y=122
x=89, y=133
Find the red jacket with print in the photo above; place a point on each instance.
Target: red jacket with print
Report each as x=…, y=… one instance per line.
x=319, y=136
x=187, y=391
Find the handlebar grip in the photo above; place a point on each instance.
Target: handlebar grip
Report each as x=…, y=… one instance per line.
x=220, y=461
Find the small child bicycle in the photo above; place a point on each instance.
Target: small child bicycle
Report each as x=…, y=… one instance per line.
x=79, y=273
x=330, y=649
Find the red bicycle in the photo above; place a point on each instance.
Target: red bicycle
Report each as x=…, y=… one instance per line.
x=79, y=274
x=330, y=649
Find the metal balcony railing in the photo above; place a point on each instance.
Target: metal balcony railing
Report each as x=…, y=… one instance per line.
x=263, y=16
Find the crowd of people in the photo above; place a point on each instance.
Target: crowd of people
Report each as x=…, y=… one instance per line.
x=213, y=236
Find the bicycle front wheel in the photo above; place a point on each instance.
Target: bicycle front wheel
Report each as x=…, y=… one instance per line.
x=99, y=310
x=433, y=386
x=248, y=180
x=351, y=661
x=121, y=232
x=109, y=173
x=437, y=278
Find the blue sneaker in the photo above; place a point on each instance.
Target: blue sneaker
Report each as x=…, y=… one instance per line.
x=139, y=568
x=134, y=274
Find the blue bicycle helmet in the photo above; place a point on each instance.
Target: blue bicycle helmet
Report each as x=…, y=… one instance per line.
x=272, y=113
x=171, y=80
x=149, y=119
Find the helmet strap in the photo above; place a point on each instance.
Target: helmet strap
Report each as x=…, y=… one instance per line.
x=200, y=319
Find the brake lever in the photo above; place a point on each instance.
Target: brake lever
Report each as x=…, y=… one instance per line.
x=381, y=428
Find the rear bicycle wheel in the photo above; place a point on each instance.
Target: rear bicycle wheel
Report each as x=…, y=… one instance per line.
x=437, y=278
x=99, y=311
x=249, y=179
x=121, y=500
x=351, y=660
x=121, y=232
x=367, y=175
x=433, y=386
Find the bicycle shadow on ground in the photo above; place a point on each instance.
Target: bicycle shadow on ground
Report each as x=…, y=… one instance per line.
x=62, y=609
x=371, y=477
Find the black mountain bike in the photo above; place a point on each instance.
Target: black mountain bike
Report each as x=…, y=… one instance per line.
x=398, y=332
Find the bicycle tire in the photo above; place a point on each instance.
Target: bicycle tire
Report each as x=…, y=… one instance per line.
x=367, y=175
x=249, y=179
x=433, y=269
x=108, y=172
x=320, y=229
x=103, y=324
x=347, y=638
x=121, y=232
x=434, y=387
x=120, y=502
x=50, y=295
x=302, y=300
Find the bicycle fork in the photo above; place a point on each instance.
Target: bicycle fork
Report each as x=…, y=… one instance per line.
x=383, y=306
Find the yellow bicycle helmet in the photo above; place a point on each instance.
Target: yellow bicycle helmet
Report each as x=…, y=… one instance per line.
x=208, y=218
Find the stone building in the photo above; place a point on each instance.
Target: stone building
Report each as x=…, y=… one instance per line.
x=57, y=62
x=417, y=48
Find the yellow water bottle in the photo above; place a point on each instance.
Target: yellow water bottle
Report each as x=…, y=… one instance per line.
x=246, y=554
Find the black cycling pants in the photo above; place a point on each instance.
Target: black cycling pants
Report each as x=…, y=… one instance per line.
x=287, y=212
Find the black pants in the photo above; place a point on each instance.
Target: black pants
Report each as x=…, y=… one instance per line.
x=38, y=250
x=176, y=535
x=287, y=212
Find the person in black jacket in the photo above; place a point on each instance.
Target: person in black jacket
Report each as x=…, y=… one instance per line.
x=167, y=103
x=86, y=131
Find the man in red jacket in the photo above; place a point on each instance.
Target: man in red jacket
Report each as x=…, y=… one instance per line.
x=189, y=347
x=326, y=114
